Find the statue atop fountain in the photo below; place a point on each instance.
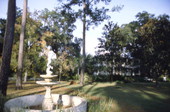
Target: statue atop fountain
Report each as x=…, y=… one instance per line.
x=50, y=56
x=48, y=83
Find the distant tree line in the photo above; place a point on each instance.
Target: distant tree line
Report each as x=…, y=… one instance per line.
x=146, y=40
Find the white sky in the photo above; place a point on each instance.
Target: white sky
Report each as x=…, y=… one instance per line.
x=126, y=15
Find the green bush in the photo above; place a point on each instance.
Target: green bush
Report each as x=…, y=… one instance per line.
x=75, y=77
x=100, y=78
x=139, y=79
x=118, y=78
x=161, y=78
x=106, y=78
x=87, y=78
x=168, y=78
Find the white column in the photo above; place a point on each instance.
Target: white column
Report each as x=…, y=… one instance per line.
x=47, y=103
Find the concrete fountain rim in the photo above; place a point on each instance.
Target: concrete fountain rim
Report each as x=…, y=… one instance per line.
x=45, y=83
x=48, y=76
x=19, y=103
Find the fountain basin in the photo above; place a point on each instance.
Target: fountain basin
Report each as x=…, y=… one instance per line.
x=74, y=103
x=44, y=83
x=48, y=78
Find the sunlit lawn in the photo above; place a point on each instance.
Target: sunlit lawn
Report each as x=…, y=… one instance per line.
x=109, y=97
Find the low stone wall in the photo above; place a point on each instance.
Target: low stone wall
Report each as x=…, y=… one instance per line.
x=19, y=104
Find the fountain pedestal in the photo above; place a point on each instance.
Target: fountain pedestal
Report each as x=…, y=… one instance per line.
x=47, y=102
x=47, y=83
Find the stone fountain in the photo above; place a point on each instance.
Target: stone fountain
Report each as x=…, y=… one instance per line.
x=49, y=102
x=48, y=83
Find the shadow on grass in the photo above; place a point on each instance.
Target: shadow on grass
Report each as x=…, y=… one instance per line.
x=33, y=89
x=134, y=99
x=88, y=90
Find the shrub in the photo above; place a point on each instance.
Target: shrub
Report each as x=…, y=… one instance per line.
x=87, y=78
x=100, y=78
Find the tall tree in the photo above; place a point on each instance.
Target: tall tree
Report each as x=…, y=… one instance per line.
x=113, y=45
x=2, y=33
x=7, y=47
x=32, y=48
x=58, y=28
x=21, y=47
x=90, y=15
x=84, y=43
x=154, y=35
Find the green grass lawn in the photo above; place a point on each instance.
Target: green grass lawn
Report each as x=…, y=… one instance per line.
x=109, y=97
x=133, y=97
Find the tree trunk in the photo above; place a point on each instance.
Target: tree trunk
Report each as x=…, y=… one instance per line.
x=25, y=76
x=78, y=73
x=60, y=72
x=7, y=47
x=111, y=75
x=112, y=70
x=156, y=77
x=84, y=45
x=21, y=47
x=59, y=78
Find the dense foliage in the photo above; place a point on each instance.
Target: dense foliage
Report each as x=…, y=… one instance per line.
x=142, y=44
